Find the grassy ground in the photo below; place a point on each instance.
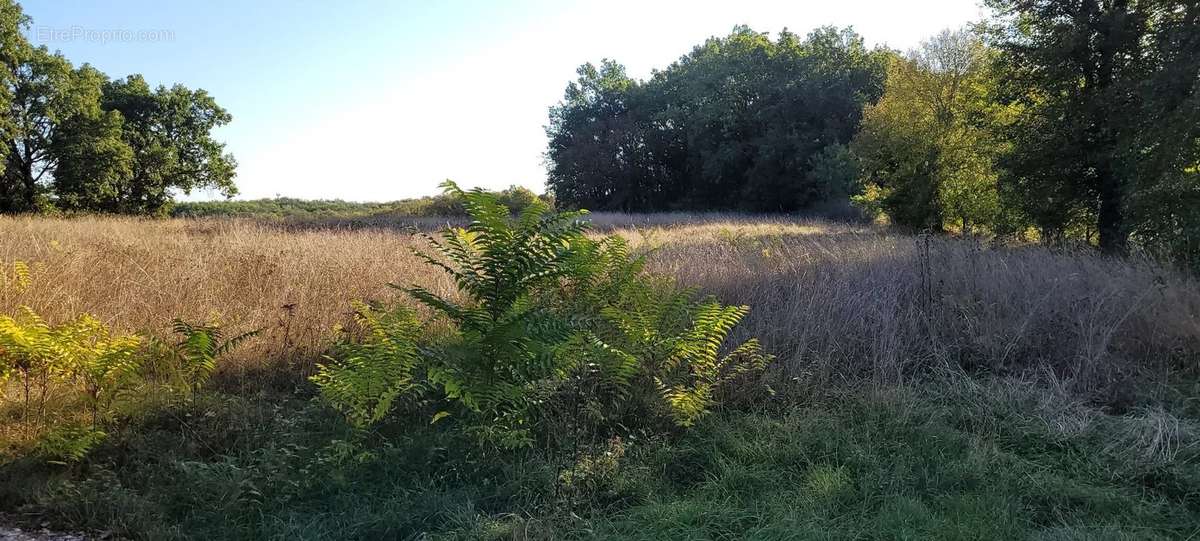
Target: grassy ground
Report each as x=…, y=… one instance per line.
x=943, y=460
x=925, y=388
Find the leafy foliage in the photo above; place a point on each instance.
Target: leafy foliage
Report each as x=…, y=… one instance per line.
x=72, y=139
x=928, y=147
x=1106, y=139
x=103, y=364
x=736, y=123
x=29, y=348
x=196, y=354
x=506, y=340
x=82, y=355
x=545, y=312
x=678, y=340
x=363, y=379
x=65, y=443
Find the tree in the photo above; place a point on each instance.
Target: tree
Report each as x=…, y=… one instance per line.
x=1107, y=92
x=44, y=91
x=1164, y=210
x=736, y=123
x=927, y=146
x=169, y=133
x=593, y=139
x=12, y=48
x=94, y=163
x=71, y=138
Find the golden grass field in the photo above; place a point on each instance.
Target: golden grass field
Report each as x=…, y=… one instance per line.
x=1000, y=382
x=834, y=302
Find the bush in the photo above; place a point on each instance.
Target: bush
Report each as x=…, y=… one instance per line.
x=363, y=379
x=547, y=315
x=82, y=356
x=69, y=376
x=193, y=359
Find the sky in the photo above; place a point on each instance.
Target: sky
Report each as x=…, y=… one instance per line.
x=376, y=100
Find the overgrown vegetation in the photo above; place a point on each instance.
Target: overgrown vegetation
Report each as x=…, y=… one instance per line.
x=505, y=371
x=550, y=319
x=1047, y=121
x=79, y=357
x=516, y=198
x=70, y=376
x=926, y=387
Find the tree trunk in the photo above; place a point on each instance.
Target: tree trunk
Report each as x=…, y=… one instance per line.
x=1110, y=219
x=30, y=186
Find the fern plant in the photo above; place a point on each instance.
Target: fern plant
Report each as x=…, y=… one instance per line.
x=102, y=363
x=16, y=278
x=69, y=443
x=81, y=355
x=362, y=379
x=197, y=352
x=506, y=339
x=31, y=350
x=546, y=312
x=679, y=344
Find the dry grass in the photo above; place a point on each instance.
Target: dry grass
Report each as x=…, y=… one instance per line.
x=834, y=302
x=855, y=303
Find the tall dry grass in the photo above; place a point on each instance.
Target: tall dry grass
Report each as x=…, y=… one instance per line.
x=835, y=302
x=137, y=275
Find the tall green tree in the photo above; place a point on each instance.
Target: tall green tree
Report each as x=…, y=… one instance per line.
x=594, y=138
x=13, y=47
x=46, y=92
x=1107, y=95
x=1164, y=209
x=928, y=147
x=737, y=123
x=71, y=138
x=169, y=131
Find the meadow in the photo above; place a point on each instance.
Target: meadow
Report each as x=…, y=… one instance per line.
x=923, y=387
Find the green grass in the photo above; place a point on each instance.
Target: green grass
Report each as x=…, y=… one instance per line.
x=932, y=462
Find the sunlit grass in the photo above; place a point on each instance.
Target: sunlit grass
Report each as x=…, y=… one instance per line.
x=926, y=388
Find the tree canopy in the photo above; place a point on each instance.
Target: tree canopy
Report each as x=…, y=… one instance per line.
x=1106, y=142
x=1052, y=120
x=928, y=147
x=740, y=122
x=71, y=138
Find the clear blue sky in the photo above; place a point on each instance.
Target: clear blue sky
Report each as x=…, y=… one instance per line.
x=378, y=100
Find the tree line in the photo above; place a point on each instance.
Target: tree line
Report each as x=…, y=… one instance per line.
x=515, y=198
x=742, y=121
x=1057, y=120
x=73, y=139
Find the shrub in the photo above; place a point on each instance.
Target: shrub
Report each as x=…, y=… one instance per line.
x=506, y=338
x=678, y=341
x=546, y=311
x=102, y=364
x=89, y=367
x=30, y=350
x=195, y=355
x=81, y=355
x=363, y=379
